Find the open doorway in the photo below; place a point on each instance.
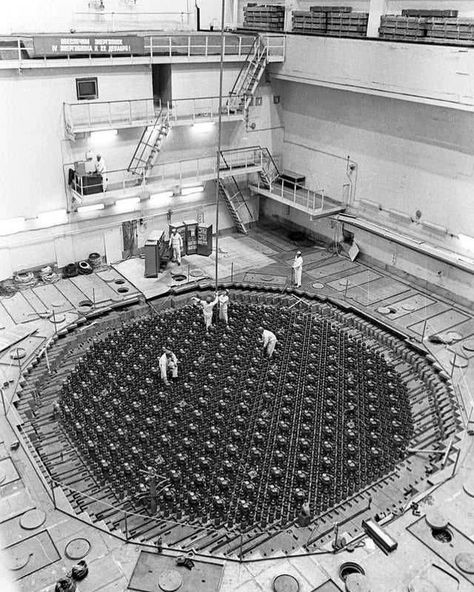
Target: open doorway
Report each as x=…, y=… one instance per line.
x=161, y=84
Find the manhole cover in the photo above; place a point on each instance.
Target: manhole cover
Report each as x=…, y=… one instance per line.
x=465, y=562
x=458, y=361
x=122, y=290
x=32, y=519
x=18, y=353
x=58, y=318
x=119, y=281
x=196, y=273
x=77, y=548
x=469, y=345
x=170, y=580
x=45, y=314
x=85, y=304
x=318, y=285
x=178, y=277
x=409, y=307
x=18, y=559
x=285, y=583
x=384, y=310
x=57, y=304
x=436, y=520
x=453, y=336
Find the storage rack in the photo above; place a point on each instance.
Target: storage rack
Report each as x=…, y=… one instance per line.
x=336, y=21
x=428, y=26
x=264, y=17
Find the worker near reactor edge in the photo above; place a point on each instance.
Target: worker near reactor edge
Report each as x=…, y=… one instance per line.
x=168, y=365
x=298, y=269
x=269, y=341
x=207, y=308
x=224, y=306
x=176, y=245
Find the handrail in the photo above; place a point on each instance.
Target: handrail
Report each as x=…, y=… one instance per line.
x=180, y=44
x=173, y=172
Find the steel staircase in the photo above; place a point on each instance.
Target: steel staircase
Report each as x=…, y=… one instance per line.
x=249, y=76
x=269, y=173
x=149, y=145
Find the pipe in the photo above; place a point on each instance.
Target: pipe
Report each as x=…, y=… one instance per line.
x=219, y=140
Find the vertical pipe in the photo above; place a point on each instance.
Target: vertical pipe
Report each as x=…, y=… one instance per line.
x=219, y=140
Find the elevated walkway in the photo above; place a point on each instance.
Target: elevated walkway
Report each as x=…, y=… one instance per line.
x=158, y=48
x=85, y=117
x=167, y=176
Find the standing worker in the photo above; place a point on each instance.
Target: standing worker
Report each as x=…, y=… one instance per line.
x=176, y=245
x=269, y=341
x=101, y=170
x=298, y=268
x=207, y=308
x=168, y=364
x=223, y=306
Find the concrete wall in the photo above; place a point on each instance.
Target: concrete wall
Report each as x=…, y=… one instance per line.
x=32, y=139
x=418, y=73
x=409, y=157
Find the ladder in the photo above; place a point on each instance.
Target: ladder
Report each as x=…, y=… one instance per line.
x=248, y=78
x=269, y=173
x=149, y=145
x=234, y=201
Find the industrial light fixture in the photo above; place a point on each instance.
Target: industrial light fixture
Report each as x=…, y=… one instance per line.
x=52, y=217
x=161, y=196
x=467, y=242
x=103, y=136
x=204, y=126
x=12, y=225
x=90, y=207
x=124, y=205
x=191, y=190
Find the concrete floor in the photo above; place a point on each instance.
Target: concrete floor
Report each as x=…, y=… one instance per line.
x=268, y=258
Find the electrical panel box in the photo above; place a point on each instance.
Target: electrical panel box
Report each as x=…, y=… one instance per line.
x=152, y=253
x=191, y=236
x=204, y=239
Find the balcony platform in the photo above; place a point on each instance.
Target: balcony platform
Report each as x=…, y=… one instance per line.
x=317, y=205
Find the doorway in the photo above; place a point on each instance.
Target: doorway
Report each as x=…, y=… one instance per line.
x=161, y=84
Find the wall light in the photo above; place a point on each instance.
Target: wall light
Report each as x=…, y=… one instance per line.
x=467, y=242
x=127, y=204
x=161, y=198
x=204, y=126
x=191, y=190
x=103, y=136
x=12, y=225
x=90, y=208
x=52, y=217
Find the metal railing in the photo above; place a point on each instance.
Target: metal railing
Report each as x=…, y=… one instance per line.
x=19, y=52
x=100, y=115
x=294, y=194
x=165, y=175
x=86, y=116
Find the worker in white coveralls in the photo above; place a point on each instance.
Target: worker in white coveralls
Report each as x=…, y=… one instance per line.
x=207, y=308
x=176, y=245
x=223, y=306
x=269, y=341
x=168, y=365
x=101, y=170
x=298, y=269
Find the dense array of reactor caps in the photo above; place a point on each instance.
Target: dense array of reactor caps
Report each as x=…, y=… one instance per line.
x=238, y=439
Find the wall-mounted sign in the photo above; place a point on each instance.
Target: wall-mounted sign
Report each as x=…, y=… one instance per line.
x=87, y=45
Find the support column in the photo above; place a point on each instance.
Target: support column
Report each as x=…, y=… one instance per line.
x=376, y=9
